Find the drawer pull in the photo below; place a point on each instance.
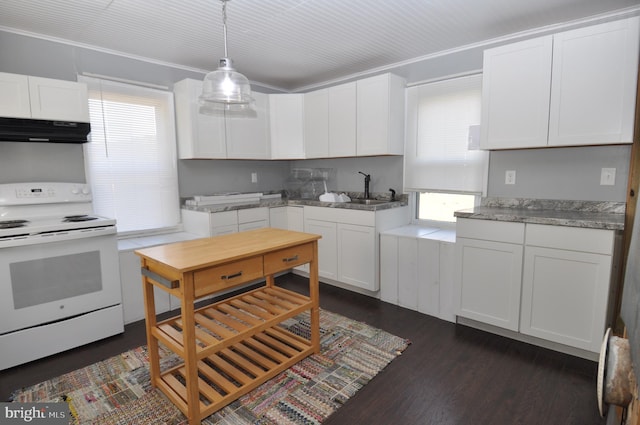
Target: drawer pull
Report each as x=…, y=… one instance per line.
x=290, y=259
x=231, y=276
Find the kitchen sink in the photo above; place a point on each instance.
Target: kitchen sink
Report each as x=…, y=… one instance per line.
x=368, y=201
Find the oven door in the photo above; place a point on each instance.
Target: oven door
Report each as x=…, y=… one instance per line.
x=44, y=279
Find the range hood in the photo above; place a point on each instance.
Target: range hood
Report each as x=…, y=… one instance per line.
x=43, y=131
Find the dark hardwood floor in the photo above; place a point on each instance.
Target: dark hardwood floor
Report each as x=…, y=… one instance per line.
x=450, y=374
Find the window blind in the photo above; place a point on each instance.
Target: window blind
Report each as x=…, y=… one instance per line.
x=131, y=159
x=437, y=157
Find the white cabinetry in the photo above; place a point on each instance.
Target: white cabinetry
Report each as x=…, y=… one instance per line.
x=253, y=218
x=573, y=88
x=219, y=136
x=327, y=249
x=342, y=120
x=416, y=269
x=248, y=137
x=349, y=249
x=550, y=283
x=488, y=271
x=316, y=124
x=286, y=117
x=278, y=217
x=380, y=115
x=199, y=135
x=23, y=96
x=221, y=223
x=356, y=247
x=565, y=284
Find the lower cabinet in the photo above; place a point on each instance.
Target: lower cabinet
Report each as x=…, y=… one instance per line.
x=416, y=269
x=348, y=252
x=565, y=285
x=547, y=282
x=490, y=283
x=327, y=252
x=224, y=222
x=356, y=248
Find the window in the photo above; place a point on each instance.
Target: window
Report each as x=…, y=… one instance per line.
x=445, y=174
x=131, y=160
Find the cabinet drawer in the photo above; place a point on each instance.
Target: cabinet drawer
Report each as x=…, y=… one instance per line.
x=253, y=214
x=227, y=275
x=499, y=231
x=598, y=241
x=287, y=258
x=225, y=218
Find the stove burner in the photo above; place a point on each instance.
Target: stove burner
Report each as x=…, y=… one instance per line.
x=12, y=224
x=78, y=218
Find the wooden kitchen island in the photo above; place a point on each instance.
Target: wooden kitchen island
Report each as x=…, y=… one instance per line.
x=232, y=346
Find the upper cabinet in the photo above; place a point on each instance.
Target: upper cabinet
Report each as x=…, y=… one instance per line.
x=342, y=120
x=380, y=115
x=573, y=88
x=23, y=96
x=316, y=124
x=248, y=138
x=202, y=136
x=330, y=122
x=286, y=118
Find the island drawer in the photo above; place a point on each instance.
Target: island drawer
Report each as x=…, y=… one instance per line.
x=227, y=276
x=287, y=258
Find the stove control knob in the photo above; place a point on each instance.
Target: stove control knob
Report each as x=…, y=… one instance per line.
x=85, y=190
x=75, y=190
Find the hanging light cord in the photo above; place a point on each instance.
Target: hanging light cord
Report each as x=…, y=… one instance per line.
x=224, y=26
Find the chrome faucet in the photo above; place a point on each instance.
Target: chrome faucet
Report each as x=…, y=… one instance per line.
x=367, y=180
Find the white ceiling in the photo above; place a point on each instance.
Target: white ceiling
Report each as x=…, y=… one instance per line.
x=291, y=44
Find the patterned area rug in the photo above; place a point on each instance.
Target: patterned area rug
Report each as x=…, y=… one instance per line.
x=117, y=390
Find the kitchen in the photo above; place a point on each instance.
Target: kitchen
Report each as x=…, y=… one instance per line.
x=538, y=171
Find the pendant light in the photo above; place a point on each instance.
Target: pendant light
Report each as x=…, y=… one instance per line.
x=225, y=89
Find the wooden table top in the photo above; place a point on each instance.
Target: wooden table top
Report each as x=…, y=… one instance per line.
x=199, y=253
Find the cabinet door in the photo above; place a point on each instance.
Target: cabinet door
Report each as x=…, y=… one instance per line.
x=58, y=100
x=380, y=115
x=316, y=124
x=408, y=280
x=389, y=263
x=593, y=89
x=488, y=281
x=516, y=80
x=278, y=218
x=565, y=296
x=248, y=137
x=357, y=261
x=286, y=117
x=428, y=277
x=199, y=135
x=327, y=253
x=14, y=96
x=342, y=120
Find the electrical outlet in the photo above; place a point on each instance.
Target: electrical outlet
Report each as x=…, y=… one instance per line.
x=510, y=177
x=254, y=177
x=608, y=177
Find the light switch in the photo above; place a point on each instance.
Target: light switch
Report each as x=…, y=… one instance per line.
x=510, y=177
x=608, y=177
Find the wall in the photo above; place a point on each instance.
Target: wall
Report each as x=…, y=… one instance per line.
x=560, y=173
x=386, y=172
x=201, y=176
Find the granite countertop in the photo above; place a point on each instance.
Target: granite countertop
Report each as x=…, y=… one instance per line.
x=586, y=214
x=308, y=202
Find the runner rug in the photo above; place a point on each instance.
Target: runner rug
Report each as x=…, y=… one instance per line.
x=118, y=391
